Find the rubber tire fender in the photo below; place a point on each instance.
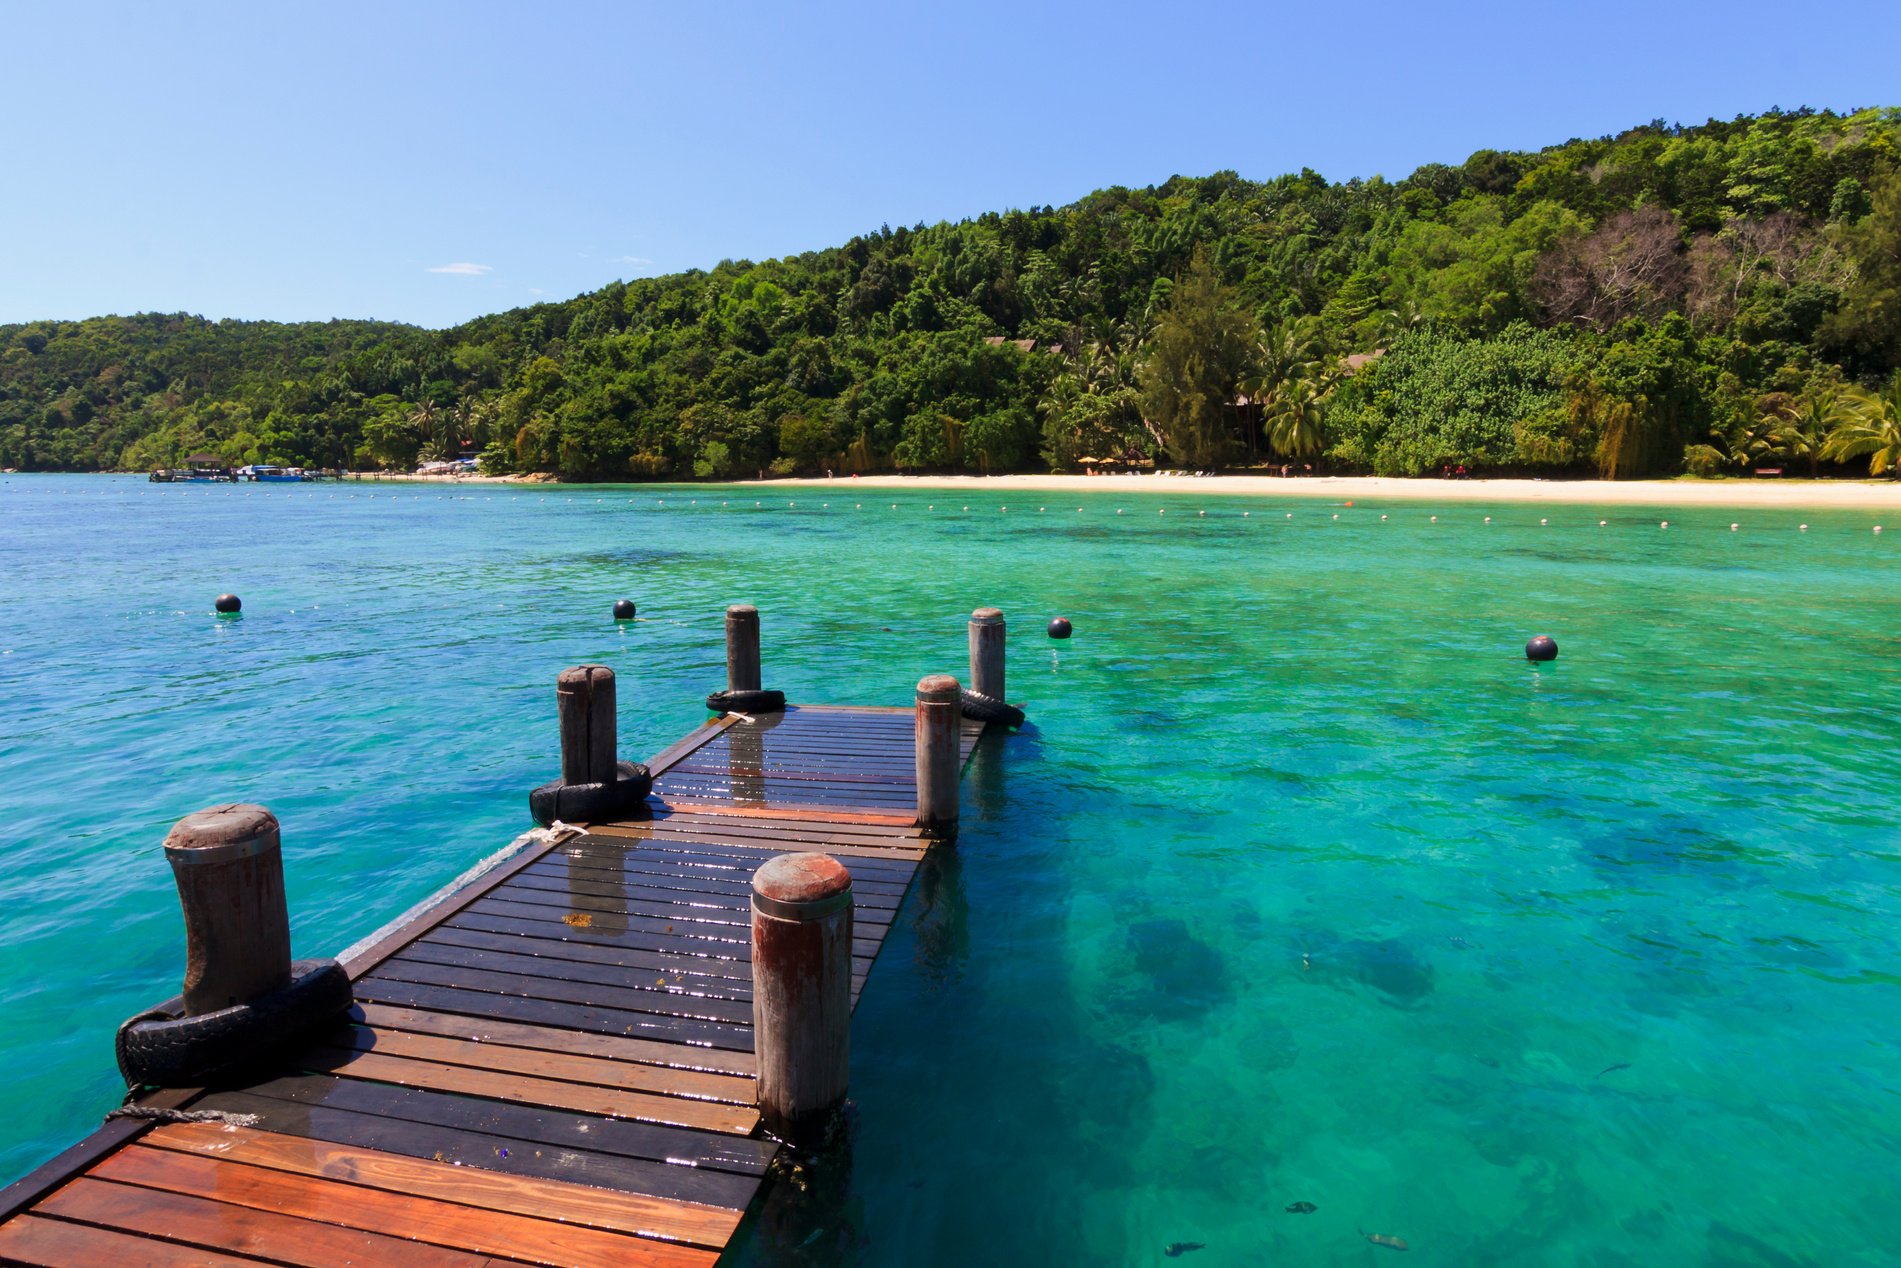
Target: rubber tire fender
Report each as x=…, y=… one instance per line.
x=162, y=1047
x=746, y=702
x=625, y=798
x=990, y=709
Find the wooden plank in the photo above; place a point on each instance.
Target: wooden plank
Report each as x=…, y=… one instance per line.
x=432, y=1220
x=908, y=848
x=360, y=962
x=30, y=1239
x=622, y=862
x=729, y=939
x=509, y=1154
x=522, y=1089
x=664, y=818
x=682, y=882
x=494, y=971
x=632, y=1076
x=687, y=1149
x=238, y=1230
x=548, y=1039
x=675, y=912
x=572, y=1204
x=538, y=1012
x=713, y=972
x=660, y=762
x=749, y=850
x=448, y=954
x=840, y=814
x=736, y=992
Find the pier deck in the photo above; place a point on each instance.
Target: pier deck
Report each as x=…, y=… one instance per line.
x=551, y=1065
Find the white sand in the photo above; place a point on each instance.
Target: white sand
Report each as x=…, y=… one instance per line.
x=1792, y=493
x=1819, y=494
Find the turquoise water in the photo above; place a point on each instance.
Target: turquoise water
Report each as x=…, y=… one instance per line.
x=1303, y=887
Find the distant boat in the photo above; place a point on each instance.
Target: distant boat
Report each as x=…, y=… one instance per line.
x=200, y=468
x=272, y=475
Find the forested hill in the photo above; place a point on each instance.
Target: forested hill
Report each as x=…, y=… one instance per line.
x=1721, y=296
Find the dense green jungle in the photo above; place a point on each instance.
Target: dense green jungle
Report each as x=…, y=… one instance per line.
x=1715, y=299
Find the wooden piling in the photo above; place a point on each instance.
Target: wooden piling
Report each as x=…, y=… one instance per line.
x=229, y=866
x=742, y=648
x=986, y=653
x=801, y=996
x=585, y=696
x=939, y=718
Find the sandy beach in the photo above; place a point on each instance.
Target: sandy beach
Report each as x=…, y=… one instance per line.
x=1794, y=494
x=1819, y=494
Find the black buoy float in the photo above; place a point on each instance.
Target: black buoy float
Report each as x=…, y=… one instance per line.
x=624, y=609
x=228, y=603
x=1543, y=647
x=1060, y=628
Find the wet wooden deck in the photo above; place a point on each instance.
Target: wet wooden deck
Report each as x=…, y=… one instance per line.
x=551, y=1065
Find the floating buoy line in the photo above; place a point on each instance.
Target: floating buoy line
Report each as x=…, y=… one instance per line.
x=1201, y=513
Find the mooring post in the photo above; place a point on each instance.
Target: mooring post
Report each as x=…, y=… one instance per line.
x=940, y=717
x=742, y=647
x=585, y=696
x=229, y=866
x=801, y=992
x=986, y=653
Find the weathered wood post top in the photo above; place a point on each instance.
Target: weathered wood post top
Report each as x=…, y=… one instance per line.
x=940, y=717
x=228, y=863
x=801, y=971
x=585, y=697
x=742, y=648
x=986, y=653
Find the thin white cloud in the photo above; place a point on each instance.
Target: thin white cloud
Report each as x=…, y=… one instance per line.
x=536, y=290
x=630, y=259
x=463, y=269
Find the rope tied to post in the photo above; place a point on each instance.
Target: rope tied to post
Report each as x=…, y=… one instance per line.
x=153, y=1114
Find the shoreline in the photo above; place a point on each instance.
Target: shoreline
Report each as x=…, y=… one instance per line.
x=1793, y=494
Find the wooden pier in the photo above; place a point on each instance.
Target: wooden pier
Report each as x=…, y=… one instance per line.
x=551, y=1065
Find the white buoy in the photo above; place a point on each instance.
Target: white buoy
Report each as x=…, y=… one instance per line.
x=1877, y=528
x=1290, y=515
x=1665, y=524
x=1435, y=519
x=1201, y=512
x=1336, y=515
x=1805, y=528
x=1382, y=517
x=1244, y=515
x=1544, y=521
x=1003, y=508
x=1163, y=511
x=1734, y=527
x=1602, y=523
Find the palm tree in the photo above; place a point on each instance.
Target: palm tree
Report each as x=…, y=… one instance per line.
x=1806, y=426
x=1767, y=440
x=1292, y=416
x=1872, y=426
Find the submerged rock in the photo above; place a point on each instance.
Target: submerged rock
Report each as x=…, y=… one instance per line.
x=1387, y=966
x=1177, y=974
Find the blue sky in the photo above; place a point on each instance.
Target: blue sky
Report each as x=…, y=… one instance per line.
x=431, y=162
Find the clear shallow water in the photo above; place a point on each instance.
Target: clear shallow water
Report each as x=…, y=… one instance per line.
x=1303, y=887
